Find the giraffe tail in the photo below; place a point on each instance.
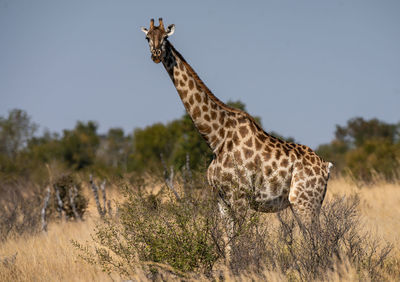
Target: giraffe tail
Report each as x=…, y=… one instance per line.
x=330, y=165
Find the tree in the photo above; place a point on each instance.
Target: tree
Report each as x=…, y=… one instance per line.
x=80, y=145
x=149, y=144
x=357, y=131
x=45, y=148
x=375, y=158
x=365, y=148
x=15, y=131
x=189, y=143
x=115, y=147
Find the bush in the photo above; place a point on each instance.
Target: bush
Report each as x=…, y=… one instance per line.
x=310, y=253
x=375, y=159
x=66, y=185
x=366, y=150
x=160, y=233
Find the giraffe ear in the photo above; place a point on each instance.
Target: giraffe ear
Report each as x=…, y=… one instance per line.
x=144, y=30
x=170, y=29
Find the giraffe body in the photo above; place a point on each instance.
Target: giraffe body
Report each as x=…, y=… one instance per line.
x=250, y=169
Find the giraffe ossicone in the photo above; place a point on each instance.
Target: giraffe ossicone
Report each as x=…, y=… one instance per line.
x=268, y=174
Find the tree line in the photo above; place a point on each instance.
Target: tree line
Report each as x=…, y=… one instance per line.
x=362, y=149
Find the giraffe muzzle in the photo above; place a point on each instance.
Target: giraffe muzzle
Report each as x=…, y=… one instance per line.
x=156, y=55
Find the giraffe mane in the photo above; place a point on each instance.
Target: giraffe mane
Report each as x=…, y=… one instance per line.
x=211, y=95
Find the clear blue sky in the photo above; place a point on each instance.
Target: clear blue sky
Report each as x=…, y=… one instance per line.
x=302, y=66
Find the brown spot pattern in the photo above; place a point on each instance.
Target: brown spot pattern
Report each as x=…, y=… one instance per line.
x=249, y=143
x=196, y=112
x=229, y=145
x=266, y=156
x=191, y=84
x=248, y=153
x=243, y=131
x=285, y=162
x=258, y=144
x=222, y=132
x=198, y=97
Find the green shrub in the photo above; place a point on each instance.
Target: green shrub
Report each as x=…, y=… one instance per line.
x=158, y=230
x=159, y=233
x=375, y=158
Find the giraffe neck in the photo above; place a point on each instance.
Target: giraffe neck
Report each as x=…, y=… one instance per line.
x=211, y=117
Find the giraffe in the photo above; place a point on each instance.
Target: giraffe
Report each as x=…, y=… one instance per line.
x=270, y=174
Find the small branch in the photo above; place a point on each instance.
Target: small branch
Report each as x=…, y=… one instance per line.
x=103, y=191
x=95, y=190
x=187, y=175
x=169, y=180
x=189, y=172
x=73, y=192
x=109, y=207
x=43, y=212
x=59, y=201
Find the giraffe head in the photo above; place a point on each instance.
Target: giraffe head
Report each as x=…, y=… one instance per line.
x=156, y=36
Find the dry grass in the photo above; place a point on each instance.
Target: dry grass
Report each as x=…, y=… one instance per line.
x=51, y=257
x=380, y=205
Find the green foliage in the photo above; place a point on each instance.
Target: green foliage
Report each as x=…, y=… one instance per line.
x=365, y=149
x=21, y=153
x=173, y=233
x=149, y=144
x=375, y=158
x=15, y=131
x=334, y=152
x=358, y=131
x=362, y=148
x=46, y=148
x=158, y=233
x=80, y=145
x=189, y=141
x=157, y=230
x=174, y=141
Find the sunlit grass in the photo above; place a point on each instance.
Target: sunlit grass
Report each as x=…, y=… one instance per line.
x=51, y=257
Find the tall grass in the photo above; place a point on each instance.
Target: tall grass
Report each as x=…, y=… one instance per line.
x=52, y=257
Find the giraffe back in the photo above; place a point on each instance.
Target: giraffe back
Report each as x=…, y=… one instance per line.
x=257, y=169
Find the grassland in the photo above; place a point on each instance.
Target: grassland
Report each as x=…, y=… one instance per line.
x=51, y=257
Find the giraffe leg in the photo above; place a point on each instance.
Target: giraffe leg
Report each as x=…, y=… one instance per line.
x=305, y=207
x=229, y=225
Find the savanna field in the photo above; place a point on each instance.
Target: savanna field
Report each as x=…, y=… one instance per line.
x=51, y=256
x=122, y=157
x=84, y=206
